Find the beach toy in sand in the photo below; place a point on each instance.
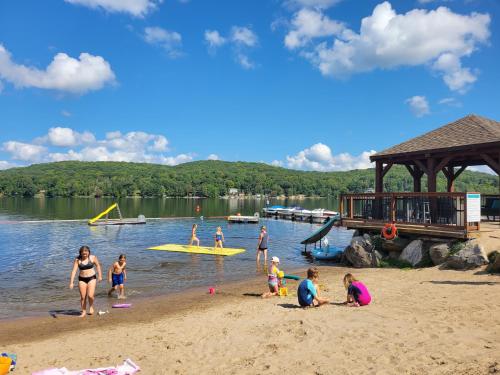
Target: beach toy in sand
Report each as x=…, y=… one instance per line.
x=5, y=363
x=121, y=305
x=283, y=291
x=211, y=290
x=13, y=358
x=102, y=312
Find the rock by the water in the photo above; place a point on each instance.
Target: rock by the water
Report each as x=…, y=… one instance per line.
x=415, y=254
x=357, y=256
x=364, y=241
x=494, y=262
x=397, y=244
x=439, y=252
x=471, y=256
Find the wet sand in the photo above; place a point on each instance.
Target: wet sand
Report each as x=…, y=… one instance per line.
x=424, y=321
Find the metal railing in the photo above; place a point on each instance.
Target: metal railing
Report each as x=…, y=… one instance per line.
x=426, y=209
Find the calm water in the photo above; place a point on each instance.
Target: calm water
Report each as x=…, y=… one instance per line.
x=37, y=257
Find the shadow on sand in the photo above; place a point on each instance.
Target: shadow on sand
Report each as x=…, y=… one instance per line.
x=463, y=282
x=55, y=313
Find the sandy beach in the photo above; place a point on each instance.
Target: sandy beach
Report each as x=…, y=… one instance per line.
x=423, y=321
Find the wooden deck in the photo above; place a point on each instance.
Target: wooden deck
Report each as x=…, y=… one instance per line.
x=441, y=215
x=418, y=229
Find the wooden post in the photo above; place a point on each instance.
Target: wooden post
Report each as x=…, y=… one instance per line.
x=379, y=178
x=431, y=175
x=417, y=174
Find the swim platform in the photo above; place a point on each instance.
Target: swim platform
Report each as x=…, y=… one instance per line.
x=197, y=249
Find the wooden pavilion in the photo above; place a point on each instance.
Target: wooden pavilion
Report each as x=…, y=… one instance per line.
x=469, y=141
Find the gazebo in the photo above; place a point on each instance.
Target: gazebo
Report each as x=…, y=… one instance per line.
x=469, y=141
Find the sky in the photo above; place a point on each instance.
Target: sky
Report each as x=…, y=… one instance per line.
x=303, y=84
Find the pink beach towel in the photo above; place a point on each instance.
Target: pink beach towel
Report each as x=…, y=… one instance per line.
x=364, y=297
x=127, y=368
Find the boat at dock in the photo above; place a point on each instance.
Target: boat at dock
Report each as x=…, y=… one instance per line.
x=318, y=215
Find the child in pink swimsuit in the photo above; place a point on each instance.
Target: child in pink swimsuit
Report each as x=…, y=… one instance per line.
x=357, y=293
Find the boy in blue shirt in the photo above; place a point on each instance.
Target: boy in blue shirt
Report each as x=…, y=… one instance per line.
x=308, y=291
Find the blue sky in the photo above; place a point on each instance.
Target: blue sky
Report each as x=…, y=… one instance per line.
x=306, y=84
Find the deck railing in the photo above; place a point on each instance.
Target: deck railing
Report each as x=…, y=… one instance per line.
x=426, y=209
x=490, y=207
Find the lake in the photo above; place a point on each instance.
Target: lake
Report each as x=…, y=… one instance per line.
x=38, y=247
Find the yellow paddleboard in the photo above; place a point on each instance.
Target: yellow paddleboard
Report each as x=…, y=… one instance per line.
x=197, y=249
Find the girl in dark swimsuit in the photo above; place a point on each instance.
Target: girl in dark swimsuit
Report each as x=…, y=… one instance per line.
x=87, y=279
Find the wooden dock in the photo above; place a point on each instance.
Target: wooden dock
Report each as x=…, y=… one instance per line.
x=441, y=215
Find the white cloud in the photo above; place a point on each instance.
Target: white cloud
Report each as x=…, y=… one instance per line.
x=137, y=8
x=277, y=163
x=244, y=36
x=170, y=41
x=213, y=157
x=418, y=105
x=214, y=39
x=241, y=39
x=131, y=147
x=179, y=159
x=319, y=157
x=452, y=102
x=66, y=113
x=311, y=3
x=244, y=61
x=455, y=76
x=438, y=38
x=66, y=137
x=64, y=73
x=24, y=151
x=308, y=24
x=6, y=165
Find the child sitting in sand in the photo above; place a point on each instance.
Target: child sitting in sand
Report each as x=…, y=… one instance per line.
x=219, y=238
x=308, y=291
x=357, y=293
x=117, y=274
x=273, y=279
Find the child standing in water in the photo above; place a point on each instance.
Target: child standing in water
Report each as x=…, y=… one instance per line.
x=219, y=238
x=273, y=280
x=194, y=238
x=308, y=291
x=357, y=293
x=117, y=274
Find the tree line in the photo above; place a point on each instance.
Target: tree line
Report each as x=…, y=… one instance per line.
x=208, y=179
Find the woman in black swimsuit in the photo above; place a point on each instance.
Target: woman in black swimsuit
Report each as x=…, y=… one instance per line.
x=87, y=279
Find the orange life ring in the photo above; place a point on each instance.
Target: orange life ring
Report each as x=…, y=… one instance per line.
x=389, y=231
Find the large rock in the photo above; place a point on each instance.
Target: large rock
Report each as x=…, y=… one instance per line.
x=494, y=265
x=439, y=252
x=415, y=254
x=357, y=256
x=364, y=241
x=471, y=256
x=395, y=245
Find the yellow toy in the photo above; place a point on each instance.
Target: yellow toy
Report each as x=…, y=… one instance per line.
x=283, y=291
x=5, y=363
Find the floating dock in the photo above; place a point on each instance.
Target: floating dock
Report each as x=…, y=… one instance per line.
x=96, y=221
x=244, y=219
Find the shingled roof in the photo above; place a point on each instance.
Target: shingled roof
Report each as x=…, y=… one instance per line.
x=469, y=130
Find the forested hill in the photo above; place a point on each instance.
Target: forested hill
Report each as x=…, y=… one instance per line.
x=207, y=179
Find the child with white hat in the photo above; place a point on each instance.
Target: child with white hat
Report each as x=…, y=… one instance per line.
x=273, y=279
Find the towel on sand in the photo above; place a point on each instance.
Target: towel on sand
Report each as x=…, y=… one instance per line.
x=128, y=368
